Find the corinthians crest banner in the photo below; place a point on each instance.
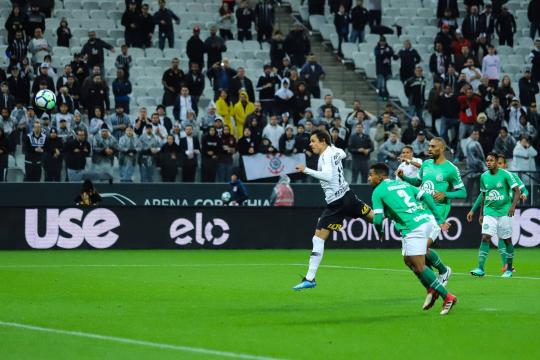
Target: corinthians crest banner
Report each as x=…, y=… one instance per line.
x=262, y=166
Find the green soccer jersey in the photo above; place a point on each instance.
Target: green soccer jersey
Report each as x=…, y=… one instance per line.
x=496, y=189
x=520, y=183
x=440, y=177
x=397, y=201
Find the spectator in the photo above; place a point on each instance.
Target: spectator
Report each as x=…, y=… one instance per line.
x=273, y=131
x=409, y=60
x=433, y=103
x=7, y=122
x=504, y=144
x=491, y=66
x=266, y=86
x=438, y=62
x=227, y=148
x=5, y=146
x=132, y=33
x=360, y=146
x=256, y=122
x=225, y=21
x=98, y=94
x=513, y=114
x=158, y=129
x=297, y=45
x=284, y=98
x=195, y=48
x=33, y=149
x=534, y=58
x=336, y=140
x=145, y=24
x=411, y=133
x=409, y=165
x=78, y=66
x=121, y=87
x=445, y=38
x=443, y=5
x=533, y=116
x=241, y=110
x=495, y=112
x=472, y=74
x=528, y=88
x=35, y=20
x=383, y=65
x=164, y=19
x=163, y=118
x=468, y=104
x=150, y=147
x=169, y=157
x=104, y=147
x=282, y=193
x=214, y=47
x=194, y=80
x=476, y=161
x=238, y=190
x=76, y=151
x=505, y=92
x=118, y=122
x=172, y=80
x=375, y=15
x=277, y=49
x=128, y=146
x=471, y=26
x=38, y=47
x=415, y=88
x=247, y=145
x=264, y=20
x=63, y=79
x=312, y=72
x=341, y=22
x=6, y=100
x=450, y=113
x=301, y=101
x=524, y=155
x=225, y=109
x=287, y=141
x=421, y=146
x=43, y=78
x=390, y=151
x=78, y=124
x=209, y=158
x=525, y=128
x=487, y=21
x=190, y=148
x=16, y=22
x=533, y=14
x=241, y=82
x=96, y=121
x=88, y=195
x=93, y=52
x=359, y=20
x=505, y=27
x=209, y=118
x=184, y=104
x=245, y=16
x=17, y=49
x=449, y=21
x=461, y=49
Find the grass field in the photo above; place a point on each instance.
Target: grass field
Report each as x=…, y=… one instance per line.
x=239, y=304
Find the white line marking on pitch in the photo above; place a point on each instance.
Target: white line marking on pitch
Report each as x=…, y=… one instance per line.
x=135, y=342
x=39, y=266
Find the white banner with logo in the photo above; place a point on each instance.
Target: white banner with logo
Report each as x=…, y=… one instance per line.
x=262, y=166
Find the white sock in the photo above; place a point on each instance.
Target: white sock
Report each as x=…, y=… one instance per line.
x=315, y=258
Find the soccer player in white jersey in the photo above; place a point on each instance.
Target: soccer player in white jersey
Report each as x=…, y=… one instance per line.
x=341, y=201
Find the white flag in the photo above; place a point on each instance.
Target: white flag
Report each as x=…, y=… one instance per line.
x=261, y=166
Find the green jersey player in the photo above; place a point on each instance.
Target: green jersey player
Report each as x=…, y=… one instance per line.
x=405, y=206
x=501, y=245
x=497, y=207
x=441, y=179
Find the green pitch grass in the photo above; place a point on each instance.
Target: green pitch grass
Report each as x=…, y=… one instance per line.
x=239, y=304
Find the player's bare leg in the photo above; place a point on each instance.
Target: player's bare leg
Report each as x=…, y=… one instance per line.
x=427, y=276
x=321, y=235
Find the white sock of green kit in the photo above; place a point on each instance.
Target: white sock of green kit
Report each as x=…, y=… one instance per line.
x=315, y=258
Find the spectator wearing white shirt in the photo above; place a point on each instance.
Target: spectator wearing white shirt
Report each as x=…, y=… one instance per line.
x=409, y=164
x=38, y=47
x=472, y=74
x=514, y=113
x=273, y=131
x=491, y=67
x=183, y=104
x=159, y=130
x=524, y=155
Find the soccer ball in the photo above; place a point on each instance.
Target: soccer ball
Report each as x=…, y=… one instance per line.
x=226, y=197
x=45, y=99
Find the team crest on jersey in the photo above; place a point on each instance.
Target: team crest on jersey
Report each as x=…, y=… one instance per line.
x=486, y=226
x=428, y=187
x=275, y=165
x=494, y=195
x=499, y=185
x=440, y=177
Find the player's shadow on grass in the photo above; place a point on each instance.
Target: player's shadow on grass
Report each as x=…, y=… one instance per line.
x=354, y=319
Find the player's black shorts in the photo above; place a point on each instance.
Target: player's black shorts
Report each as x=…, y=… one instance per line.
x=348, y=206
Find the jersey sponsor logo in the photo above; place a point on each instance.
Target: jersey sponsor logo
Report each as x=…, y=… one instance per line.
x=494, y=195
x=69, y=228
x=365, y=209
x=335, y=227
x=429, y=187
x=215, y=231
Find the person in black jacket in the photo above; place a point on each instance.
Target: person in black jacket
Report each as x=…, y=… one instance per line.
x=93, y=51
x=438, y=62
x=472, y=26
x=238, y=82
x=442, y=5
x=194, y=80
x=245, y=16
x=359, y=20
x=4, y=154
x=98, y=94
x=16, y=21
x=302, y=101
x=277, y=49
x=35, y=19
x=190, y=148
x=129, y=21
x=360, y=147
x=43, y=77
x=409, y=59
x=297, y=45
x=76, y=151
x=195, y=48
x=53, y=158
x=247, y=146
x=534, y=58
x=383, y=65
x=63, y=33
x=33, y=144
x=533, y=14
x=18, y=87
x=528, y=88
x=169, y=156
x=209, y=151
x=505, y=27
x=266, y=86
x=264, y=19
x=145, y=24
x=341, y=22
x=449, y=114
x=415, y=88
x=214, y=47
x=164, y=19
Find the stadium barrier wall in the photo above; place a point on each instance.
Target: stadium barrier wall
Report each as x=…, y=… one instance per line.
x=218, y=228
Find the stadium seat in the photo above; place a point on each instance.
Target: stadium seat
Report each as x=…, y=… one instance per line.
x=348, y=49
x=90, y=5
x=316, y=21
x=153, y=53
x=107, y=6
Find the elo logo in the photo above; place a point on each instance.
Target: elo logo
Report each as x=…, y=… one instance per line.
x=180, y=229
x=69, y=228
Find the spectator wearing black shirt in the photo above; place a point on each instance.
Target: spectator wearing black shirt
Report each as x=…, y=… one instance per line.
x=4, y=154
x=78, y=66
x=312, y=72
x=145, y=24
x=359, y=20
x=98, y=94
x=302, y=101
x=35, y=19
x=438, y=62
x=18, y=87
x=164, y=19
x=360, y=147
x=93, y=51
x=245, y=16
x=63, y=34
x=445, y=38
x=190, y=148
x=169, y=159
x=471, y=26
x=6, y=99
x=17, y=49
x=33, y=144
x=53, y=157
x=172, y=81
x=505, y=27
x=415, y=88
x=264, y=20
x=227, y=148
x=214, y=47
x=315, y=7
x=533, y=14
x=297, y=45
x=266, y=86
x=528, y=88
x=195, y=48
x=16, y=21
x=239, y=82
x=383, y=65
x=449, y=108
x=129, y=22
x=209, y=151
x=277, y=49
x=534, y=58
x=409, y=59
x=194, y=80
x=221, y=75
x=43, y=77
x=88, y=196
x=341, y=23
x=442, y=5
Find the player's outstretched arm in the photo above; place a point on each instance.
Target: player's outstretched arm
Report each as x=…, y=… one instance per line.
x=460, y=193
x=414, y=181
x=325, y=174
